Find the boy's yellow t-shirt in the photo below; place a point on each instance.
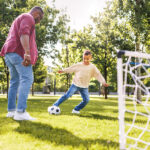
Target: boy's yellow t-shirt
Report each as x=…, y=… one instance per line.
x=84, y=73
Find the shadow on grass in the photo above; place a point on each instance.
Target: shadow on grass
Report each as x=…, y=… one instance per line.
x=101, y=117
x=59, y=136
x=97, y=116
x=70, y=104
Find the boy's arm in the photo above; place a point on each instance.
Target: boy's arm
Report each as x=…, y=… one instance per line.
x=70, y=69
x=99, y=77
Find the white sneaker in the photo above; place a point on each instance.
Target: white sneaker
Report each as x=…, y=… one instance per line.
x=10, y=114
x=75, y=112
x=23, y=116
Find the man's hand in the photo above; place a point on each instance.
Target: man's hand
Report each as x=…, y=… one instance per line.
x=27, y=60
x=60, y=71
x=24, y=39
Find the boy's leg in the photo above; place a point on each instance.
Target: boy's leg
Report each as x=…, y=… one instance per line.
x=69, y=93
x=14, y=83
x=85, y=96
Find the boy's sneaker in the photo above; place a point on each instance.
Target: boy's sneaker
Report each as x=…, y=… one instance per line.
x=75, y=112
x=10, y=114
x=23, y=116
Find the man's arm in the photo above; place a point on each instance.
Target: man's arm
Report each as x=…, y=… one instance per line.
x=24, y=39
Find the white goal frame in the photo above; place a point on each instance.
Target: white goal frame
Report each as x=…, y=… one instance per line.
x=122, y=93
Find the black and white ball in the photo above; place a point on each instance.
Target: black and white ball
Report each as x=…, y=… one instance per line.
x=54, y=110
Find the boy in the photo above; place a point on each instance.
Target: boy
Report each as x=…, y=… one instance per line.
x=84, y=71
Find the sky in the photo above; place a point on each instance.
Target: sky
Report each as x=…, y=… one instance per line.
x=79, y=12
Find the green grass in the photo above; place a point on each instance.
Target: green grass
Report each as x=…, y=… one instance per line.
x=96, y=128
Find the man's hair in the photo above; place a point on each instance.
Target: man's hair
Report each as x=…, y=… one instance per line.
x=37, y=8
x=87, y=52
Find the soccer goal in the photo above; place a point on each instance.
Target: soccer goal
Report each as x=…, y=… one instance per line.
x=133, y=69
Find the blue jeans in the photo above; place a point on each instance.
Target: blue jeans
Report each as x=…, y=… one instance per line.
x=84, y=94
x=21, y=79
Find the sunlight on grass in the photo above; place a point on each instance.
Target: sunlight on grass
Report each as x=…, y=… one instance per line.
x=96, y=128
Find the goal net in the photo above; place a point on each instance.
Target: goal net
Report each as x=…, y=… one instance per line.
x=133, y=69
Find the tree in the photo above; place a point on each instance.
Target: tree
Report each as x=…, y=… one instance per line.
x=40, y=73
x=136, y=12
x=2, y=76
x=7, y=15
x=51, y=30
x=104, y=49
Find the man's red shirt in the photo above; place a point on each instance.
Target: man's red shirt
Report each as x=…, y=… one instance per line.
x=22, y=25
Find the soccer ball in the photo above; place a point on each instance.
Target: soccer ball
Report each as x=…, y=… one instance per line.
x=54, y=110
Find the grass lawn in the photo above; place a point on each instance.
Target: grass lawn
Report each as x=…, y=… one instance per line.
x=96, y=128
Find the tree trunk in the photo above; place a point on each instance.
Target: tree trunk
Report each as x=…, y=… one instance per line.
x=33, y=89
x=99, y=89
x=139, y=96
x=137, y=48
x=7, y=73
x=7, y=76
x=68, y=75
x=105, y=68
x=55, y=86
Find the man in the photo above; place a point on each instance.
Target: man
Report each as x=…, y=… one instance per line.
x=20, y=52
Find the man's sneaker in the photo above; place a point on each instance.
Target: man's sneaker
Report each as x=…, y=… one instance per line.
x=23, y=116
x=75, y=112
x=10, y=114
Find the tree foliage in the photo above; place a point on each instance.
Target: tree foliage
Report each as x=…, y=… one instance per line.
x=51, y=29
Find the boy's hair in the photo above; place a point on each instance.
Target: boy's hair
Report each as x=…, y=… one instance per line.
x=87, y=52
